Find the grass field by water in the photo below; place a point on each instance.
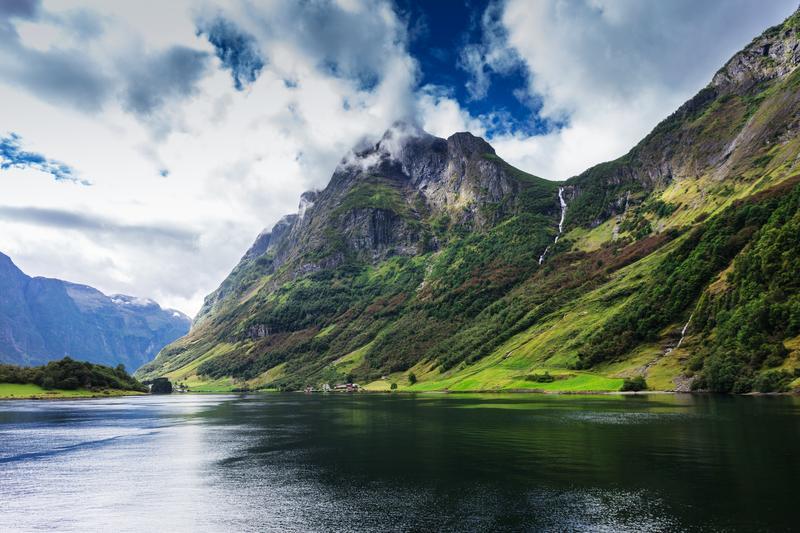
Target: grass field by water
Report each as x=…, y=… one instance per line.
x=18, y=391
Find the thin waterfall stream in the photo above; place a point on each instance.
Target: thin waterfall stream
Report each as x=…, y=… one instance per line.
x=683, y=332
x=560, y=222
x=669, y=350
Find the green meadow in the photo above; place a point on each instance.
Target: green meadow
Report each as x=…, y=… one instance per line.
x=24, y=391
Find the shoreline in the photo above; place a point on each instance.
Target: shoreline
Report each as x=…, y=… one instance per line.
x=62, y=397
x=403, y=393
x=795, y=392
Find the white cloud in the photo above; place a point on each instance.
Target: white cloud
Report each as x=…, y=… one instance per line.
x=440, y=114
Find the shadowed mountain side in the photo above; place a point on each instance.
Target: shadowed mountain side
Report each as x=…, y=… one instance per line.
x=44, y=319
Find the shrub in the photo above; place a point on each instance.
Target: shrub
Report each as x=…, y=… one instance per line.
x=743, y=385
x=70, y=383
x=773, y=381
x=540, y=378
x=634, y=384
x=412, y=378
x=393, y=386
x=725, y=373
x=161, y=386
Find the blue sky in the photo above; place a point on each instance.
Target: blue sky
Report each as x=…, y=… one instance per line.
x=440, y=35
x=157, y=139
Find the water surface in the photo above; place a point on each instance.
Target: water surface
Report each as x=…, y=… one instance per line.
x=291, y=462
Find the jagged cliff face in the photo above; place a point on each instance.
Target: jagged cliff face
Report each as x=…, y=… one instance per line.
x=378, y=197
x=44, y=319
x=434, y=255
x=750, y=104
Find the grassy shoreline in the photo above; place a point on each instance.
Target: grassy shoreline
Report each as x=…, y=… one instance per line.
x=12, y=391
x=30, y=391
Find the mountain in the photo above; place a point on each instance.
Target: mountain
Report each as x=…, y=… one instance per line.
x=44, y=319
x=678, y=262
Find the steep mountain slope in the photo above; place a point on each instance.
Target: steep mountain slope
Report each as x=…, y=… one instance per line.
x=44, y=319
x=436, y=256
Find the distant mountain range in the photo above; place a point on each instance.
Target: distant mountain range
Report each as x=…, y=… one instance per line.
x=43, y=319
x=678, y=262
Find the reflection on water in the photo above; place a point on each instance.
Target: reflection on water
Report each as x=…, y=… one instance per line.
x=287, y=462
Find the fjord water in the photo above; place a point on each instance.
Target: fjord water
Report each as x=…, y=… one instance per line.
x=285, y=462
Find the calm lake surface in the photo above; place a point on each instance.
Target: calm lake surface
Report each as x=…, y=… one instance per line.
x=286, y=462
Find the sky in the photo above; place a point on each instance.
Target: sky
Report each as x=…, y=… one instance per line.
x=144, y=144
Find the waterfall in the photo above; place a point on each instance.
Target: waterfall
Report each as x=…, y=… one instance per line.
x=683, y=334
x=683, y=331
x=646, y=368
x=560, y=222
x=541, y=257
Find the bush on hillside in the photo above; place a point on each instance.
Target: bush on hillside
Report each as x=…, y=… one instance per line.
x=773, y=381
x=634, y=384
x=540, y=378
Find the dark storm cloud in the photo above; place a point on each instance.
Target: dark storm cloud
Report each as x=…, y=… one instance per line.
x=170, y=75
x=97, y=225
x=237, y=50
x=13, y=156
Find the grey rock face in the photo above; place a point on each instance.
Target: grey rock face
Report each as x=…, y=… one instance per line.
x=257, y=331
x=307, y=200
x=774, y=54
x=469, y=178
x=44, y=319
x=281, y=230
x=419, y=176
x=379, y=232
x=260, y=245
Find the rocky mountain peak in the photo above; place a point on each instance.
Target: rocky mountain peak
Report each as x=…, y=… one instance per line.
x=399, y=132
x=773, y=54
x=401, y=147
x=409, y=150
x=6, y=263
x=269, y=239
x=466, y=144
x=436, y=256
